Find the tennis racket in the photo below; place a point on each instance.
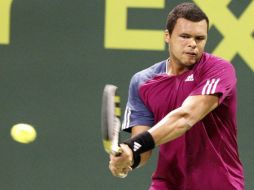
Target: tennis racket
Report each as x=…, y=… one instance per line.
x=110, y=121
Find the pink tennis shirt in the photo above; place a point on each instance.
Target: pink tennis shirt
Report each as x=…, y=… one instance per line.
x=205, y=157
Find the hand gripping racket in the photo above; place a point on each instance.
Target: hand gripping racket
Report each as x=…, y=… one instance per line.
x=110, y=121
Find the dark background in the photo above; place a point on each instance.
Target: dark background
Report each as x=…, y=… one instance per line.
x=51, y=76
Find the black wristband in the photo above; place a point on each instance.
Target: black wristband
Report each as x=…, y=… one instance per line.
x=136, y=161
x=140, y=144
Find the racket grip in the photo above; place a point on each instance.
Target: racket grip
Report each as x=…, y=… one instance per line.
x=116, y=150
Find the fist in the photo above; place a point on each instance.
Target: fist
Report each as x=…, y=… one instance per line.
x=121, y=165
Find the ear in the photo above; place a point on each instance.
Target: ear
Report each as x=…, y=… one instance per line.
x=166, y=36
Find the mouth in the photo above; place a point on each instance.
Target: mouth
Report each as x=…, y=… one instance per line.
x=191, y=53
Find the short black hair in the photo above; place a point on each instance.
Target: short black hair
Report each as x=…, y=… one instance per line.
x=188, y=11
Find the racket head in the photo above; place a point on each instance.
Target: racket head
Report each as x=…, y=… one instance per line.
x=110, y=119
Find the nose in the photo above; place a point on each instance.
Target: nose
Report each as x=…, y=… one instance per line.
x=192, y=43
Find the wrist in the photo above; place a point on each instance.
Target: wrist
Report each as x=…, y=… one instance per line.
x=136, y=159
x=140, y=144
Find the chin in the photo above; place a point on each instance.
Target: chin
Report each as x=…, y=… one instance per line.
x=190, y=63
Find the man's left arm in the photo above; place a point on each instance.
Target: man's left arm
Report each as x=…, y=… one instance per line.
x=172, y=126
x=180, y=120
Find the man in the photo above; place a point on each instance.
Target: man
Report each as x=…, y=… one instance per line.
x=186, y=105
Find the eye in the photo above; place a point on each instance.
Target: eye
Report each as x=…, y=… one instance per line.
x=200, y=38
x=184, y=36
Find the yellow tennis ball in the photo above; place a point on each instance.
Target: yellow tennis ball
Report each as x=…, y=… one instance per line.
x=23, y=133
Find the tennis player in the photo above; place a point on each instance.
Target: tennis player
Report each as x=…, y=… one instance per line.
x=186, y=105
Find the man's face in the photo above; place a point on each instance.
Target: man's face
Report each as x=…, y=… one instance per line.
x=187, y=41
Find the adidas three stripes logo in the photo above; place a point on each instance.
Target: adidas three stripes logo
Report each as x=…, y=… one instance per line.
x=136, y=146
x=210, y=86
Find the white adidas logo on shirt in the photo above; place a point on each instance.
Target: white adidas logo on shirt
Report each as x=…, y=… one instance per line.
x=136, y=146
x=190, y=78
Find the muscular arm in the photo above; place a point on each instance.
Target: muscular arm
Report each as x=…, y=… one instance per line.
x=177, y=122
x=172, y=126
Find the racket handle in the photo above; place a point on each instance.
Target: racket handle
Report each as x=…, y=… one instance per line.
x=116, y=150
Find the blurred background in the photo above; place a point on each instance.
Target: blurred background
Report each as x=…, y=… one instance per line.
x=57, y=55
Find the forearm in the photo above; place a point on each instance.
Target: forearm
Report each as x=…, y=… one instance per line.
x=177, y=122
x=172, y=126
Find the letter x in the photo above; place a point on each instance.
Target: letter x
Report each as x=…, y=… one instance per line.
x=237, y=32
